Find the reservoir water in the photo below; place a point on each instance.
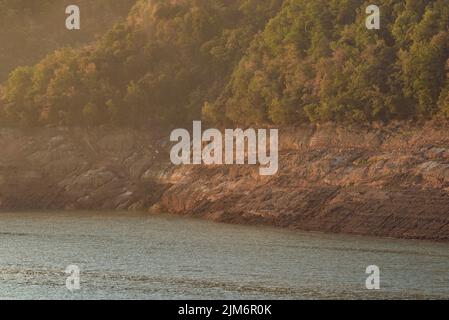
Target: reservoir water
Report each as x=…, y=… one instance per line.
x=140, y=256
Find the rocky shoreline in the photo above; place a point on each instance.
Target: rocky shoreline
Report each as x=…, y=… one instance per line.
x=389, y=181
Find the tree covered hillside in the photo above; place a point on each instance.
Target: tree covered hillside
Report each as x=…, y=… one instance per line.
x=316, y=61
x=245, y=62
x=31, y=29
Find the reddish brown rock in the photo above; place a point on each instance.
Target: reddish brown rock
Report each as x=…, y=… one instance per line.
x=389, y=181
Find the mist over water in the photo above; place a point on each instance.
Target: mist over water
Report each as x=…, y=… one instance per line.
x=139, y=256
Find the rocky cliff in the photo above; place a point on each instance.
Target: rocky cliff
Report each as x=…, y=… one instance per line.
x=389, y=181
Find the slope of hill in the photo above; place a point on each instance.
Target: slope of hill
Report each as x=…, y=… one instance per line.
x=243, y=62
x=247, y=62
x=31, y=29
x=158, y=66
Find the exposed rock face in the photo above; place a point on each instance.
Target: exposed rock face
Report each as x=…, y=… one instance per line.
x=78, y=169
x=392, y=181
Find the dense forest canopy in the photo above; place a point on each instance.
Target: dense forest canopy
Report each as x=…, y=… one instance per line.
x=244, y=62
